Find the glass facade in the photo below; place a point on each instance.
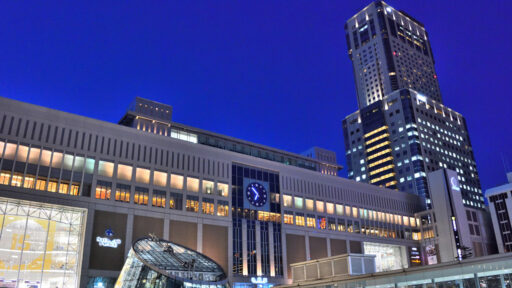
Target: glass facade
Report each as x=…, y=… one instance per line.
x=158, y=263
x=40, y=244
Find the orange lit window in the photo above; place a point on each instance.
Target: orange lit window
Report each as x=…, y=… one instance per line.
x=103, y=190
x=158, y=198
x=288, y=219
x=75, y=189
x=63, y=188
x=123, y=193
x=29, y=182
x=52, y=186
x=192, y=204
x=5, y=177
x=208, y=207
x=141, y=196
x=222, y=208
x=41, y=184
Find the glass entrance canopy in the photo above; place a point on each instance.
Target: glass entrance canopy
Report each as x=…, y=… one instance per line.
x=154, y=262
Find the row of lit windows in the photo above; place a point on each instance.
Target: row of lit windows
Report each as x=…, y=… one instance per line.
x=44, y=157
x=57, y=160
x=44, y=184
x=141, y=197
x=162, y=179
x=342, y=225
x=339, y=209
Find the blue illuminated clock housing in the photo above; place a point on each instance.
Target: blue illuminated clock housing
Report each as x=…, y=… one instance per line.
x=256, y=194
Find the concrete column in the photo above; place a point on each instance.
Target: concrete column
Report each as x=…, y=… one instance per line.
x=244, y=247
x=230, y=250
x=166, y=227
x=271, y=249
x=306, y=238
x=258, y=249
x=200, y=235
x=328, y=247
x=129, y=234
x=285, y=255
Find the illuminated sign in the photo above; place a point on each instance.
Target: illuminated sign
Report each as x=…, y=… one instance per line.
x=259, y=280
x=454, y=182
x=431, y=254
x=108, y=241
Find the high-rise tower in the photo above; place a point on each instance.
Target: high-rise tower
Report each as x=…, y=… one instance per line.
x=402, y=131
x=389, y=50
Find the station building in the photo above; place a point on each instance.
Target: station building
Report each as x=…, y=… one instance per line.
x=76, y=192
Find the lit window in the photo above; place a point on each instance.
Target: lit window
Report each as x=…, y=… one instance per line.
x=2, y=145
x=329, y=208
x=310, y=221
x=158, y=198
x=89, y=165
x=75, y=189
x=46, y=156
x=29, y=182
x=103, y=190
x=33, y=156
x=63, y=188
x=41, y=184
x=16, y=180
x=320, y=206
x=287, y=201
x=310, y=205
x=106, y=168
x=347, y=210
x=123, y=193
x=288, y=219
x=10, y=151
x=141, y=196
x=208, y=206
x=22, y=153
x=192, y=204
x=339, y=209
x=192, y=184
x=223, y=189
x=78, y=166
x=299, y=219
x=160, y=179
x=354, y=212
x=299, y=202
x=207, y=187
x=124, y=172
x=52, y=185
x=142, y=175
x=57, y=160
x=222, y=208
x=176, y=181
x=68, y=162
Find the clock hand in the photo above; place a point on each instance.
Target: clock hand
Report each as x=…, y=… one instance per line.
x=255, y=192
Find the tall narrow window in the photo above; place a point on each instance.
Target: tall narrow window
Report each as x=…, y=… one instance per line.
x=222, y=208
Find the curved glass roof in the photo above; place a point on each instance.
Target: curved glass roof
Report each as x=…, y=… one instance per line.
x=176, y=261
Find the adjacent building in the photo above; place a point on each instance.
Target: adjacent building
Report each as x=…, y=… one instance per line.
x=450, y=230
x=500, y=205
x=329, y=163
x=396, y=141
x=402, y=130
x=75, y=193
x=390, y=50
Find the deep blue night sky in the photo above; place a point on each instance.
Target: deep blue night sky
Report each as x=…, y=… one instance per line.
x=271, y=72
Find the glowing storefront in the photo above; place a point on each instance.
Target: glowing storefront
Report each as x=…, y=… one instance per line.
x=40, y=244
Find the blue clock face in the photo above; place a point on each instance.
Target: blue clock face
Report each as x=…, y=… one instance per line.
x=256, y=194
